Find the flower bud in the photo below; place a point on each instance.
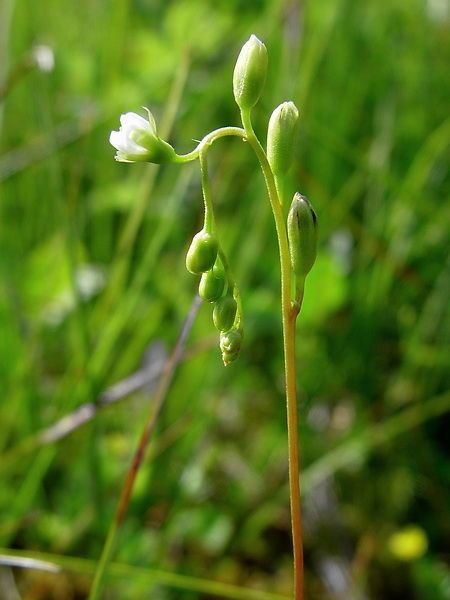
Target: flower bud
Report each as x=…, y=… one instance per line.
x=230, y=341
x=250, y=73
x=281, y=137
x=212, y=284
x=224, y=313
x=230, y=345
x=137, y=141
x=229, y=357
x=202, y=253
x=302, y=235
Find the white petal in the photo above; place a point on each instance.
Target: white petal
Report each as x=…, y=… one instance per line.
x=124, y=143
x=132, y=146
x=121, y=142
x=132, y=120
x=116, y=139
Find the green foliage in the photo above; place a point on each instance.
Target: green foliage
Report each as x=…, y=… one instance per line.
x=92, y=275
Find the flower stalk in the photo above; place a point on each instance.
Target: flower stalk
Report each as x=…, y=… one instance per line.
x=289, y=311
x=137, y=140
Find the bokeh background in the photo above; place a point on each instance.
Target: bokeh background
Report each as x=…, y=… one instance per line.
x=93, y=290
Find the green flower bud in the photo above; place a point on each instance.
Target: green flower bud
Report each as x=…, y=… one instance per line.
x=229, y=357
x=230, y=341
x=281, y=137
x=212, y=284
x=202, y=253
x=230, y=344
x=250, y=73
x=302, y=234
x=224, y=313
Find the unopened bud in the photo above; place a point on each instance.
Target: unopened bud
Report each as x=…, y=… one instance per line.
x=302, y=234
x=250, y=73
x=281, y=137
x=202, y=253
x=212, y=284
x=224, y=313
x=230, y=345
x=229, y=357
x=230, y=341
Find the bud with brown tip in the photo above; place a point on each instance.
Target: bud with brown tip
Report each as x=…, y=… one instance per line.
x=302, y=235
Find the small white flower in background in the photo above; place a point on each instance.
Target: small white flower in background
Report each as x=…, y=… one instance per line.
x=137, y=140
x=44, y=58
x=438, y=10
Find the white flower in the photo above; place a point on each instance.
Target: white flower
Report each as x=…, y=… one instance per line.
x=44, y=58
x=137, y=140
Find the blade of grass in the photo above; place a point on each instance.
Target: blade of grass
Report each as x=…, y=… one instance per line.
x=83, y=414
x=149, y=576
x=6, y=14
x=130, y=231
x=358, y=447
x=127, y=303
x=157, y=405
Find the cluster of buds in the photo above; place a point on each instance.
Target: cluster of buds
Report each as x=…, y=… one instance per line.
x=215, y=287
x=248, y=81
x=137, y=141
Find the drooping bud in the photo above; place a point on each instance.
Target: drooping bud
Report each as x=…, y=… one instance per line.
x=281, y=137
x=202, y=253
x=250, y=73
x=302, y=235
x=230, y=345
x=212, y=284
x=229, y=357
x=224, y=313
x=137, y=140
x=230, y=341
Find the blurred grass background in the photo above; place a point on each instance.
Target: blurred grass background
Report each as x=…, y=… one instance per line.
x=93, y=287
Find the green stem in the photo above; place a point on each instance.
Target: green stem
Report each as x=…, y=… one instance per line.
x=210, y=139
x=299, y=292
x=207, y=196
x=232, y=284
x=289, y=315
x=210, y=224
x=104, y=561
x=281, y=185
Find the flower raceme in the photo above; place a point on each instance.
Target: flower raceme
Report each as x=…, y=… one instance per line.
x=137, y=140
